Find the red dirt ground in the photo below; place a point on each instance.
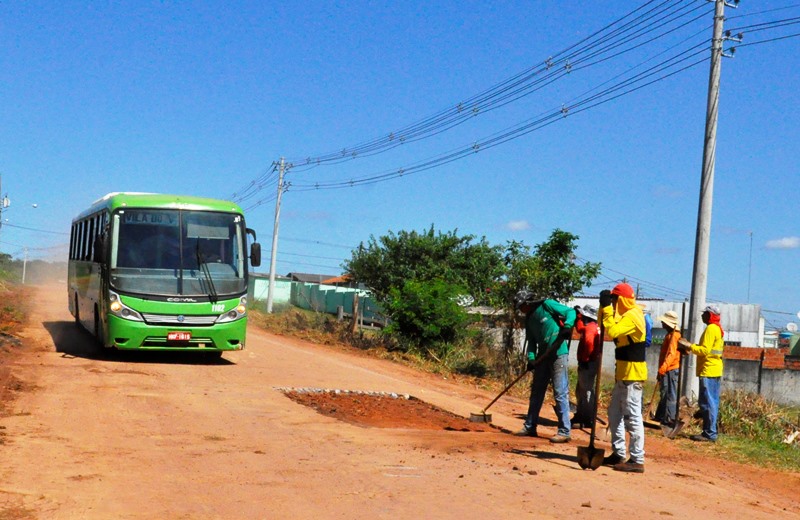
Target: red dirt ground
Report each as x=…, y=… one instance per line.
x=383, y=411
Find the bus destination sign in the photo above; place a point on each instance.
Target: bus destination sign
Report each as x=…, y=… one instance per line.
x=156, y=218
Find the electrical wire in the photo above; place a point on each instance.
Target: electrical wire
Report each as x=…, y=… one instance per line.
x=763, y=12
x=34, y=229
x=510, y=90
x=621, y=88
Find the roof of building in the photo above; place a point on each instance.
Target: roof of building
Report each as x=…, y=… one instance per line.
x=337, y=280
x=309, y=277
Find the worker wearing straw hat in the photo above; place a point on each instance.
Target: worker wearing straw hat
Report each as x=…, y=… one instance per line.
x=669, y=361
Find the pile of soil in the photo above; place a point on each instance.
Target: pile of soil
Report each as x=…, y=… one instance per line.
x=385, y=411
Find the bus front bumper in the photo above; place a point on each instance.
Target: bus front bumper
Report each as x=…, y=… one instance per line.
x=136, y=335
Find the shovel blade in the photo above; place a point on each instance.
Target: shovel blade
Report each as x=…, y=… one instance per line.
x=481, y=417
x=671, y=433
x=590, y=457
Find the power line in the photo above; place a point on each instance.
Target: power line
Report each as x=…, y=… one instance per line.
x=35, y=229
x=626, y=87
x=512, y=88
x=763, y=12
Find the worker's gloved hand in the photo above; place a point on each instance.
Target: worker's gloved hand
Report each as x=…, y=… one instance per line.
x=577, y=309
x=684, y=346
x=605, y=298
x=530, y=364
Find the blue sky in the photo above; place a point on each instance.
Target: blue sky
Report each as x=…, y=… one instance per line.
x=202, y=98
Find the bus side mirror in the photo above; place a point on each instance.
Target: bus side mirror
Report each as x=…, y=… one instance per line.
x=255, y=249
x=97, y=249
x=255, y=254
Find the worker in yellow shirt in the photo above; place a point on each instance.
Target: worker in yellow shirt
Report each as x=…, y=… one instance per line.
x=709, y=370
x=624, y=322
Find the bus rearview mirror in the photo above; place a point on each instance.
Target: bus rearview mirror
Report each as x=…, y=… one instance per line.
x=255, y=254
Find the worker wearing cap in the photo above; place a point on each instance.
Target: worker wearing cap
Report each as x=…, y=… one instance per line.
x=548, y=327
x=709, y=370
x=624, y=322
x=586, y=326
x=669, y=361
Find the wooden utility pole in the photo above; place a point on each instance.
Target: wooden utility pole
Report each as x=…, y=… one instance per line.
x=273, y=260
x=703, y=237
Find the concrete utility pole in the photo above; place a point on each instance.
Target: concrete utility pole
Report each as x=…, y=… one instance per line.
x=703, y=238
x=275, y=238
x=24, y=265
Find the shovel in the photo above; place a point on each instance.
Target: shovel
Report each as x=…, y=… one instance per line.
x=591, y=457
x=484, y=417
x=672, y=432
x=649, y=417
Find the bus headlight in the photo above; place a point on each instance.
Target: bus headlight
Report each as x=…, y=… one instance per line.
x=234, y=314
x=121, y=310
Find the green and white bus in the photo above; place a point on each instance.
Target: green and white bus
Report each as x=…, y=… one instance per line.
x=161, y=272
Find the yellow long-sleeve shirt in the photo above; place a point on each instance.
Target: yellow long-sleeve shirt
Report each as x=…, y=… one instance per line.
x=709, y=352
x=624, y=329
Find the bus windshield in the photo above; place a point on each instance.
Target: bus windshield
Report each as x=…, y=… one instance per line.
x=177, y=253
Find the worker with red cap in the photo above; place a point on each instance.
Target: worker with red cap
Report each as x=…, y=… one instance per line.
x=709, y=370
x=624, y=322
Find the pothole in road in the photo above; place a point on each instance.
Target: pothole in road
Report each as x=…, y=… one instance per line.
x=383, y=410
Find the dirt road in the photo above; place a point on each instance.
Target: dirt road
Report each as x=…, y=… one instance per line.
x=166, y=437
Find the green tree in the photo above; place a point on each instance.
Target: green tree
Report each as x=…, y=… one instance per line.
x=390, y=261
x=418, y=278
x=427, y=313
x=550, y=271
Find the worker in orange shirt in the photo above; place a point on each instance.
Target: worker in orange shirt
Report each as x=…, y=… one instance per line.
x=669, y=361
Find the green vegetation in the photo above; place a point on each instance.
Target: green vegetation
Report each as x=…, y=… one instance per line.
x=423, y=281
x=753, y=429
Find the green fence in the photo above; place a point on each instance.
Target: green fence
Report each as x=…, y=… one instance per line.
x=328, y=299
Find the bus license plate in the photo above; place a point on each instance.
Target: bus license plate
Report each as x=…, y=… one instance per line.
x=179, y=336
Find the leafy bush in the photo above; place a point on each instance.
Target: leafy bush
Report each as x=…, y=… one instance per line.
x=428, y=315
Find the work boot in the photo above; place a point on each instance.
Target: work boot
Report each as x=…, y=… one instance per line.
x=559, y=439
x=629, y=467
x=612, y=460
x=524, y=432
x=702, y=438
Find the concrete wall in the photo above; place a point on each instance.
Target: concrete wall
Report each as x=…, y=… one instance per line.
x=258, y=289
x=742, y=374
x=781, y=386
x=328, y=298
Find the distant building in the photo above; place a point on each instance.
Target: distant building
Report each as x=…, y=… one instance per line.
x=309, y=277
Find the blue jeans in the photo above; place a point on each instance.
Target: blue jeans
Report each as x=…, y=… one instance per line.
x=709, y=405
x=625, y=415
x=543, y=374
x=667, y=405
